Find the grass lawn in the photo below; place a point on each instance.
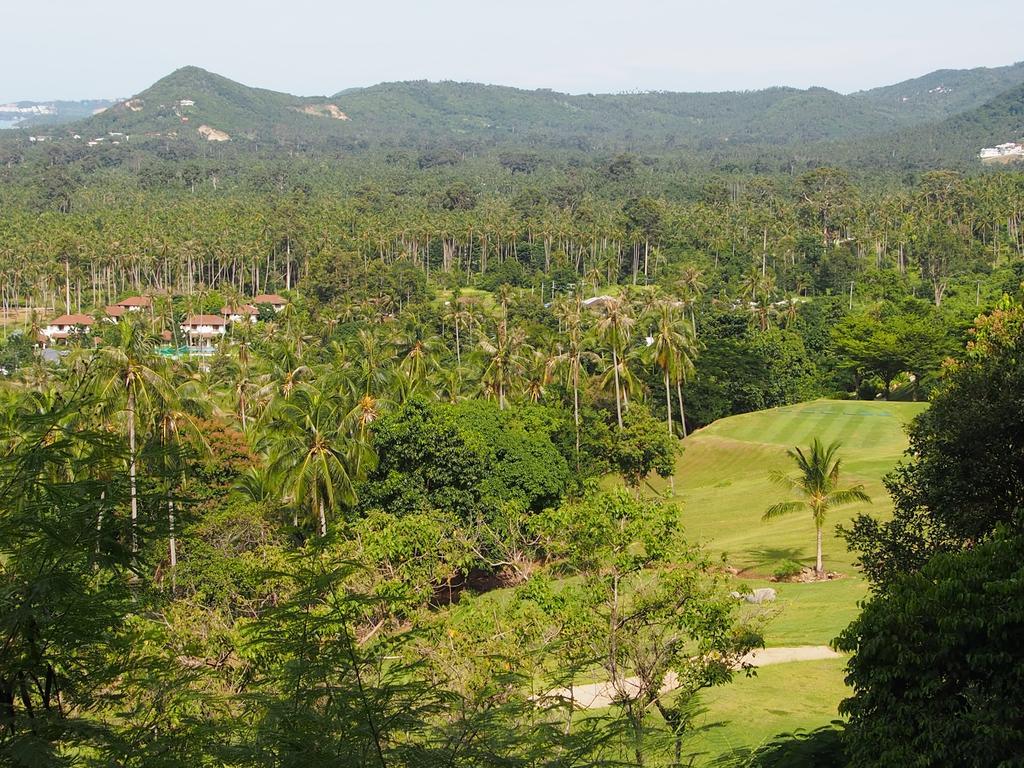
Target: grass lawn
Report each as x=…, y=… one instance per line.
x=722, y=483
x=779, y=699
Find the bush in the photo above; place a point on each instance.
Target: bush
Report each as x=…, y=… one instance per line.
x=787, y=569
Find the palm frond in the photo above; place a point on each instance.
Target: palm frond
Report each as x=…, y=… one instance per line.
x=783, y=508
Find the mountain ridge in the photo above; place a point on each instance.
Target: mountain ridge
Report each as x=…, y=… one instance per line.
x=194, y=104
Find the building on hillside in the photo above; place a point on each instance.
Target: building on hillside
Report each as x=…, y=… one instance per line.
x=236, y=314
x=204, y=331
x=1008, y=149
x=66, y=327
x=136, y=303
x=271, y=299
x=114, y=313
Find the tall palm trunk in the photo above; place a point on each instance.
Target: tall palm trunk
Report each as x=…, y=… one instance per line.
x=679, y=397
x=668, y=404
x=615, y=372
x=323, y=519
x=819, y=569
x=576, y=408
x=133, y=491
x=173, y=545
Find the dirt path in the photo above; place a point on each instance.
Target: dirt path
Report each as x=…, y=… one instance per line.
x=598, y=695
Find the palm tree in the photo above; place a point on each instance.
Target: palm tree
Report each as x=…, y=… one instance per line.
x=671, y=348
x=314, y=459
x=817, y=481
x=614, y=328
x=175, y=416
x=571, y=357
x=126, y=371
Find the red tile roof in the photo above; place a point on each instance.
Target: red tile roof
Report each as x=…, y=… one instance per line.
x=114, y=310
x=136, y=301
x=244, y=309
x=269, y=298
x=204, y=320
x=72, y=320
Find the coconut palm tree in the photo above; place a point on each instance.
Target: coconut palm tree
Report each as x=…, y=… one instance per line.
x=313, y=457
x=817, y=481
x=129, y=373
x=613, y=329
x=671, y=349
x=175, y=416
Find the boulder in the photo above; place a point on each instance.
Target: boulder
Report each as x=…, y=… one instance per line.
x=758, y=596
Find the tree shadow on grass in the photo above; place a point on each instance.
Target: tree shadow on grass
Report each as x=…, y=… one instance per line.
x=765, y=557
x=820, y=748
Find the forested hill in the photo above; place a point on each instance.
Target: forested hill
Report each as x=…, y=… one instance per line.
x=949, y=113
x=942, y=93
x=952, y=141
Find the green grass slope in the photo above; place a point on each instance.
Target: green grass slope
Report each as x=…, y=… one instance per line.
x=722, y=482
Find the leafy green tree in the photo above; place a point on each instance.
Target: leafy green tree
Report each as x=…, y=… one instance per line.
x=817, y=481
x=642, y=447
x=962, y=476
x=934, y=664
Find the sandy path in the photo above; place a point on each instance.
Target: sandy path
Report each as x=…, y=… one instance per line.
x=598, y=695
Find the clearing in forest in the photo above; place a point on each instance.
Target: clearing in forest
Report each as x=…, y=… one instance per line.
x=722, y=481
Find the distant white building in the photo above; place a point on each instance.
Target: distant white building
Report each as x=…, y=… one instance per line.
x=237, y=314
x=270, y=299
x=1008, y=149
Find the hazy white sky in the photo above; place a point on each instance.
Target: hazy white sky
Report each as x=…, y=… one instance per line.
x=81, y=49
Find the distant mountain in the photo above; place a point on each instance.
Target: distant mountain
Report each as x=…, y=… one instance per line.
x=25, y=114
x=195, y=104
x=942, y=93
x=199, y=106
x=408, y=110
x=955, y=140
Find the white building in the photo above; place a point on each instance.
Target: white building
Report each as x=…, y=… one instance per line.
x=272, y=299
x=204, y=330
x=67, y=326
x=236, y=314
x=1009, y=149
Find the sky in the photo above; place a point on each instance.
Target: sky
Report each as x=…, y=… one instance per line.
x=76, y=49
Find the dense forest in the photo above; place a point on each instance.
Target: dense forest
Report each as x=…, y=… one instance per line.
x=396, y=510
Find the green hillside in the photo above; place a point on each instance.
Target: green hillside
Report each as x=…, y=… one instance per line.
x=944, y=92
x=722, y=481
x=178, y=105
x=420, y=113
x=954, y=140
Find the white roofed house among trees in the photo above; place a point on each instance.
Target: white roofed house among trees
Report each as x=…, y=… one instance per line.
x=135, y=303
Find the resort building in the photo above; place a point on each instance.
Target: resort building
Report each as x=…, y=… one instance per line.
x=65, y=327
x=242, y=312
x=271, y=299
x=135, y=303
x=204, y=331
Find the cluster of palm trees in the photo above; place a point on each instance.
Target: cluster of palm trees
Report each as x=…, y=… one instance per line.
x=102, y=250
x=306, y=395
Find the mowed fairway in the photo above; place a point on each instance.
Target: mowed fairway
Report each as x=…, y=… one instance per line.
x=723, y=484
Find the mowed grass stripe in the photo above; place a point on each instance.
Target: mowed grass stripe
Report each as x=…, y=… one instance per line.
x=723, y=480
